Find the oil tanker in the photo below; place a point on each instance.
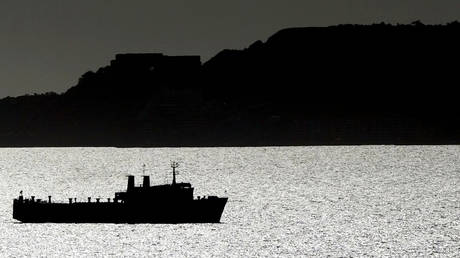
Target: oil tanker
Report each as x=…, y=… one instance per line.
x=168, y=203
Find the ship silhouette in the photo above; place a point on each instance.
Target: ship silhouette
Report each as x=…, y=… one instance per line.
x=168, y=203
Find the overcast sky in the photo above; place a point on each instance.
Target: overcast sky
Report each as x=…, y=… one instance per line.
x=46, y=45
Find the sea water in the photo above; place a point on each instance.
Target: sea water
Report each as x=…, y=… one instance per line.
x=283, y=201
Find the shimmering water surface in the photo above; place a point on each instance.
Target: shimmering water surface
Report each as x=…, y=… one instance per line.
x=283, y=201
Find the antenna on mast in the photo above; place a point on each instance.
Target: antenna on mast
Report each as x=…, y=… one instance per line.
x=174, y=165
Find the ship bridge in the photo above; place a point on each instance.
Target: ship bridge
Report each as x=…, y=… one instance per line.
x=174, y=192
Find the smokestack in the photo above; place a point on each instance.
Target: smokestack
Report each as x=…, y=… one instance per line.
x=49, y=198
x=130, y=183
x=33, y=198
x=89, y=199
x=146, y=182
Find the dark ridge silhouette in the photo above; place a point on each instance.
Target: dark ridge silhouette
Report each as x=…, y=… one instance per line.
x=346, y=84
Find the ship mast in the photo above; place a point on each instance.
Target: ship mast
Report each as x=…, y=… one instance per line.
x=174, y=165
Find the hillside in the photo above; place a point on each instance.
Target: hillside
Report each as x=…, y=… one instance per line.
x=346, y=84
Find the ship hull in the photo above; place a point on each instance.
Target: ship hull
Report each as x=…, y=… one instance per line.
x=193, y=211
